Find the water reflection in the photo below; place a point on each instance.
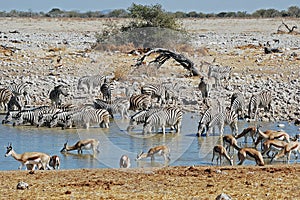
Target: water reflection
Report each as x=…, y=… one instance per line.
x=186, y=148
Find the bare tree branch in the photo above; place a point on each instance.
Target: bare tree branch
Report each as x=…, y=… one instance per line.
x=165, y=54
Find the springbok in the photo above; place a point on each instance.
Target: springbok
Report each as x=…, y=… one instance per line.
x=271, y=135
x=250, y=131
x=86, y=144
x=230, y=141
x=221, y=151
x=124, y=161
x=54, y=163
x=27, y=158
x=251, y=154
x=271, y=145
x=158, y=150
x=287, y=150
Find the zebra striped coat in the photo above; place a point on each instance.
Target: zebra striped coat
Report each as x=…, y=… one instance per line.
x=120, y=105
x=205, y=120
x=30, y=116
x=167, y=117
x=140, y=117
x=155, y=91
x=60, y=118
x=21, y=89
x=238, y=104
x=87, y=117
x=106, y=90
x=8, y=100
x=260, y=100
x=228, y=117
x=140, y=102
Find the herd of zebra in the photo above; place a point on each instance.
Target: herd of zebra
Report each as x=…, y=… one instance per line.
x=152, y=103
x=219, y=115
x=150, y=107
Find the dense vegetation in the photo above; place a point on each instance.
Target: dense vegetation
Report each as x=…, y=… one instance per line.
x=292, y=11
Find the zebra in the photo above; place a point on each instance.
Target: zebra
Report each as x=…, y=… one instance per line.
x=106, y=89
x=54, y=95
x=10, y=115
x=260, y=100
x=60, y=118
x=205, y=87
x=8, y=100
x=45, y=118
x=85, y=117
x=170, y=116
x=30, y=116
x=219, y=73
x=227, y=117
x=21, y=89
x=140, y=117
x=237, y=104
x=155, y=91
x=90, y=81
x=205, y=120
x=120, y=105
x=140, y=102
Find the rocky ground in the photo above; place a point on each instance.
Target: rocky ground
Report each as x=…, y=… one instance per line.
x=247, y=182
x=48, y=52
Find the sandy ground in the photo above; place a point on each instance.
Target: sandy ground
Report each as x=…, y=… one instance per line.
x=249, y=182
x=243, y=182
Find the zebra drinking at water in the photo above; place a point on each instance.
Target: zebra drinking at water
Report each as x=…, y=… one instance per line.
x=120, y=105
x=60, y=118
x=205, y=120
x=260, y=100
x=170, y=116
x=30, y=116
x=227, y=117
x=90, y=82
x=86, y=117
x=140, y=117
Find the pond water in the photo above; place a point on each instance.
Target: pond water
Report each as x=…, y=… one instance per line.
x=186, y=148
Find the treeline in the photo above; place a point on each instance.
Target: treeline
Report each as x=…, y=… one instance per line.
x=292, y=11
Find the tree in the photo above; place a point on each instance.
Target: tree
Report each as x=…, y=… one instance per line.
x=118, y=13
x=293, y=11
x=152, y=16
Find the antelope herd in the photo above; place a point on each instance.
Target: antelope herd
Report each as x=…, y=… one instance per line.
x=279, y=143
